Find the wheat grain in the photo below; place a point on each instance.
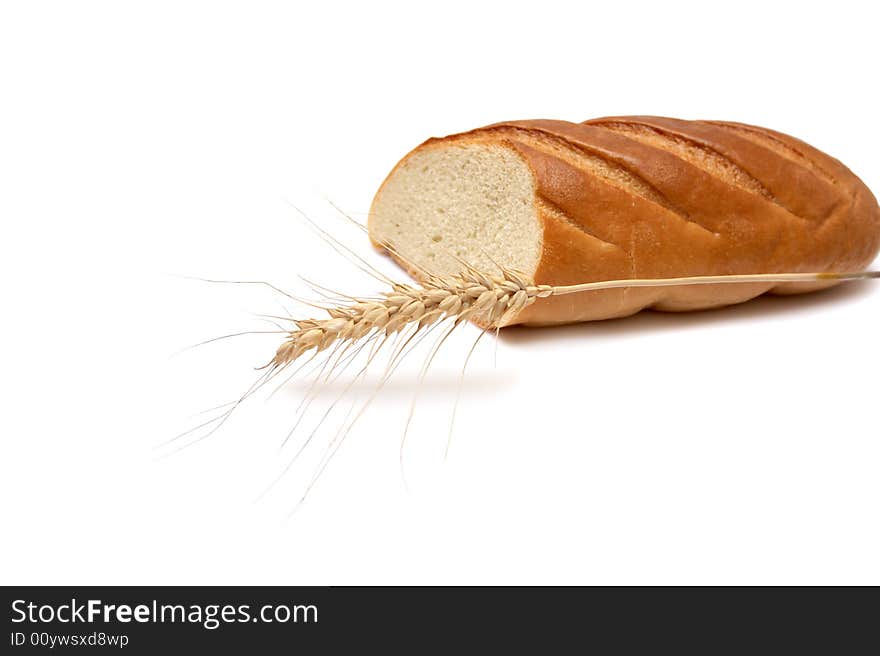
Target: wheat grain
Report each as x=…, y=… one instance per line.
x=489, y=300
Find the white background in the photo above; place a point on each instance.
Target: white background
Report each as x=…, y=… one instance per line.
x=143, y=142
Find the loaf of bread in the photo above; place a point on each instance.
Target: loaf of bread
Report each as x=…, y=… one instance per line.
x=623, y=198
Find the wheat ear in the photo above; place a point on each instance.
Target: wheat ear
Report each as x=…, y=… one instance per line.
x=487, y=299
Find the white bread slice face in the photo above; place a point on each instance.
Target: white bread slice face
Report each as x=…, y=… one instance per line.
x=470, y=202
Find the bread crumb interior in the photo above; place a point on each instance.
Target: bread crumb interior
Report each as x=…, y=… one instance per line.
x=475, y=202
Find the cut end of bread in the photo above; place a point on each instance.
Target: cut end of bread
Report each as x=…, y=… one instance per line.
x=460, y=202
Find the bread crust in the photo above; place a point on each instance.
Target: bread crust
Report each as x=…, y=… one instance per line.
x=652, y=197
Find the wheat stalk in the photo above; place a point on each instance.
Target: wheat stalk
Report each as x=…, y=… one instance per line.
x=487, y=299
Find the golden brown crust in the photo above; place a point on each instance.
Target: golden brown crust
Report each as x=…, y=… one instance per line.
x=652, y=197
